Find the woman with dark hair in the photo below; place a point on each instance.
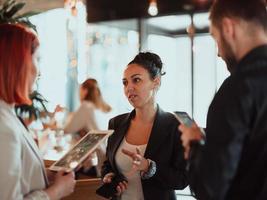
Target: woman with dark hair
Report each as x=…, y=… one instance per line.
x=145, y=147
x=22, y=171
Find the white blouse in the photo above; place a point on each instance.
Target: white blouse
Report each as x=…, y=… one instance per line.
x=22, y=171
x=82, y=119
x=134, y=189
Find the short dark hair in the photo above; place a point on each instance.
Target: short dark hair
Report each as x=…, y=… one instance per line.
x=149, y=61
x=248, y=10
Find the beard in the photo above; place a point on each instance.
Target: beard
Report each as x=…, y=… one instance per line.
x=229, y=56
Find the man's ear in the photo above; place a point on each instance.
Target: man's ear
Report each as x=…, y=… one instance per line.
x=228, y=28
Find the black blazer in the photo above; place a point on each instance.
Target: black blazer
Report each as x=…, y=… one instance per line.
x=164, y=147
x=233, y=163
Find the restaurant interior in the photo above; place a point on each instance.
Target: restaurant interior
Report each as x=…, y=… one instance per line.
x=96, y=39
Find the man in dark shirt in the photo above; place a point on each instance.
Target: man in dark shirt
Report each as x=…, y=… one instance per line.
x=232, y=164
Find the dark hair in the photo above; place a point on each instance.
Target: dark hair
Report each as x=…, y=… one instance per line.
x=149, y=61
x=248, y=10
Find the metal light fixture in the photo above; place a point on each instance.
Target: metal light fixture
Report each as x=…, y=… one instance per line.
x=153, y=8
x=73, y=6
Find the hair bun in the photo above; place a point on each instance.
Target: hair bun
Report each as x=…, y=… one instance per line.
x=151, y=62
x=153, y=58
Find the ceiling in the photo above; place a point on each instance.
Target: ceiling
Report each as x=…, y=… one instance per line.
x=103, y=10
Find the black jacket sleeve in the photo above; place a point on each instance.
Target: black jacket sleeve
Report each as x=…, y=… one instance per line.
x=106, y=168
x=171, y=166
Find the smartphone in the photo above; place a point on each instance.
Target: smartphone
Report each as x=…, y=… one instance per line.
x=108, y=190
x=184, y=118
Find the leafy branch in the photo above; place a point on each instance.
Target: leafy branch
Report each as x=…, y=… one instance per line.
x=9, y=14
x=36, y=109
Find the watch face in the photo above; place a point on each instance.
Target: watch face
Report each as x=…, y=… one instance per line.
x=151, y=170
x=153, y=167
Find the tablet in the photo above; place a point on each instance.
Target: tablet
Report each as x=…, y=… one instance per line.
x=79, y=152
x=184, y=118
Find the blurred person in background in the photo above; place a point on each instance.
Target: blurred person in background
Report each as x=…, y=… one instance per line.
x=145, y=147
x=22, y=171
x=84, y=120
x=232, y=163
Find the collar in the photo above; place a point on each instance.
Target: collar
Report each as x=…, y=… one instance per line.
x=257, y=53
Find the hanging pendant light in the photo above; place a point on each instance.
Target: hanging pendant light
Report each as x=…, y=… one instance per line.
x=73, y=6
x=153, y=8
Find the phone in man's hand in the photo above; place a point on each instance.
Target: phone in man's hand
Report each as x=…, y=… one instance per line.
x=184, y=118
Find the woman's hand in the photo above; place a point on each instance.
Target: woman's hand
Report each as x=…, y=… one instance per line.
x=108, y=177
x=122, y=186
x=139, y=162
x=62, y=186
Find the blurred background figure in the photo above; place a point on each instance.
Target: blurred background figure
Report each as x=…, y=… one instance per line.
x=84, y=119
x=21, y=163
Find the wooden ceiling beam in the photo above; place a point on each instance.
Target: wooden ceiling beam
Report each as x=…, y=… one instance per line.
x=40, y=5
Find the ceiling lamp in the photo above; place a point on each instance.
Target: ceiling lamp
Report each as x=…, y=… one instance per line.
x=73, y=6
x=201, y=2
x=153, y=8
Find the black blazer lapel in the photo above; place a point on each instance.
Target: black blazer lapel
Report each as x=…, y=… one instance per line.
x=158, y=134
x=120, y=127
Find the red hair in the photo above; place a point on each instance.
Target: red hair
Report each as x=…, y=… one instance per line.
x=17, y=45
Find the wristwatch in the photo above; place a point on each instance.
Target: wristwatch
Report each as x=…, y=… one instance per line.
x=152, y=168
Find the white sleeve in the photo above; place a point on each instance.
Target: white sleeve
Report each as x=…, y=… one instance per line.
x=83, y=118
x=11, y=169
x=37, y=195
x=91, y=120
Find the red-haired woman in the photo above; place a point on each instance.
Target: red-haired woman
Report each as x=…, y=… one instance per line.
x=22, y=171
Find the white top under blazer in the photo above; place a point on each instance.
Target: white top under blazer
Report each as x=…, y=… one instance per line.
x=134, y=189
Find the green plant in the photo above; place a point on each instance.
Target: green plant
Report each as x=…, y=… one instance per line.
x=9, y=14
x=34, y=111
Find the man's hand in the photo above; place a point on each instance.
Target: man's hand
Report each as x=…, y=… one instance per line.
x=189, y=134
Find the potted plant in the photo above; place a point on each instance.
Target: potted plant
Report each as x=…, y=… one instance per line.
x=9, y=14
x=34, y=111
